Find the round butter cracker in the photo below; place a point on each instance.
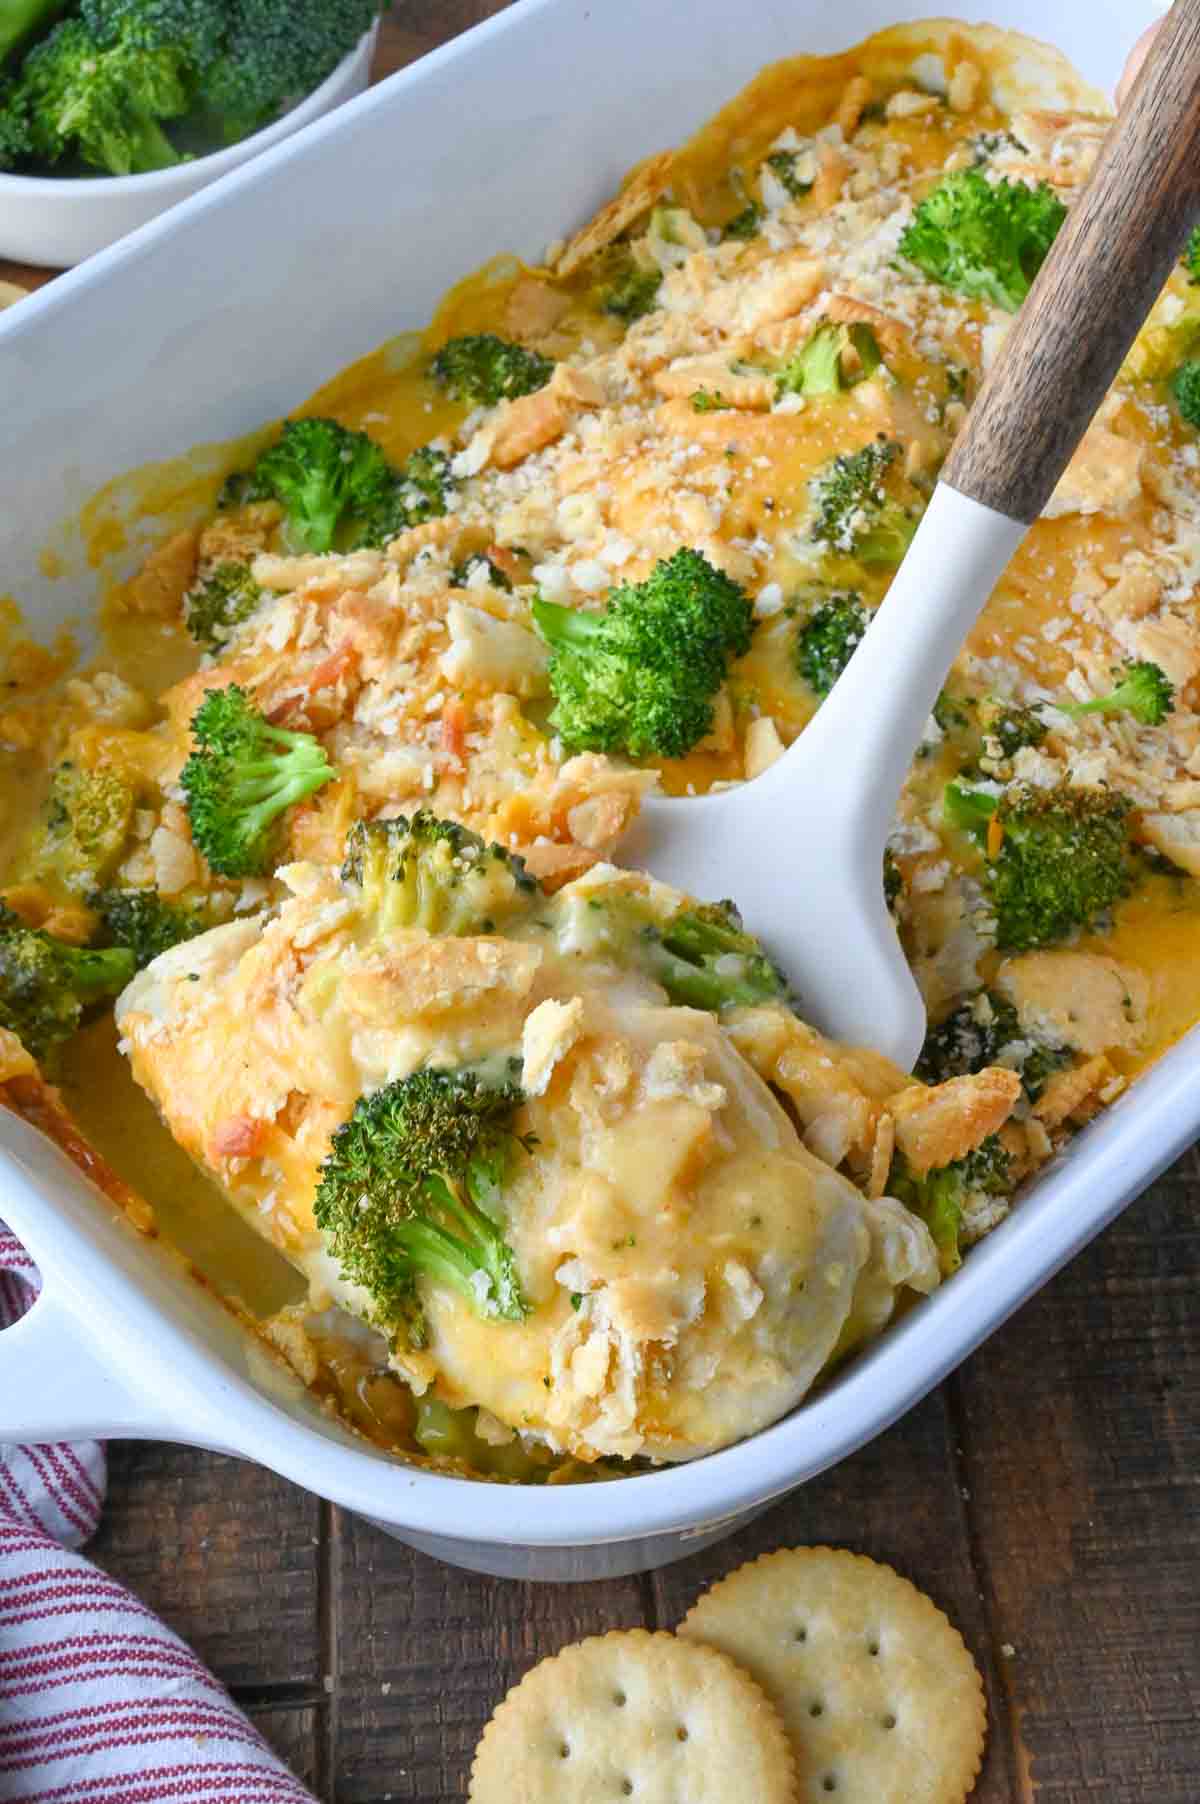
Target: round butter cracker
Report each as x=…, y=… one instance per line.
x=882, y=1700
x=634, y=1715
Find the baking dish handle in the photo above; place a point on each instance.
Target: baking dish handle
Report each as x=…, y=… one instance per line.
x=53, y=1389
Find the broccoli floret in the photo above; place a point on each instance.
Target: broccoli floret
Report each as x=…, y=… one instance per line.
x=984, y=239
x=101, y=84
x=215, y=609
x=940, y=1195
x=673, y=234
x=985, y=145
x=853, y=514
x=641, y=676
x=482, y=369
x=1191, y=255
x=321, y=473
x=462, y=572
x=241, y=777
x=84, y=829
x=785, y=165
x=893, y=880
x=970, y=810
x=274, y=54
x=239, y=489
x=700, y=954
x=1185, y=386
x=420, y=490
x=47, y=987
x=193, y=29
x=957, y=381
x=1012, y=726
x=627, y=289
x=1145, y=691
x=828, y=639
x=831, y=359
x=16, y=141
x=411, y=1190
x=704, y=958
x=746, y=224
x=435, y=874
x=952, y=713
x=452, y=1434
x=145, y=923
x=984, y=1030
x=1055, y=858
x=105, y=105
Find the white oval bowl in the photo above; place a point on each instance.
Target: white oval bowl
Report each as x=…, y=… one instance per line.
x=61, y=220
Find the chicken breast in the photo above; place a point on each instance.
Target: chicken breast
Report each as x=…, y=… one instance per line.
x=688, y=1266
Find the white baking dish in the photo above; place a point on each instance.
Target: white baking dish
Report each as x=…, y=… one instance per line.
x=201, y=326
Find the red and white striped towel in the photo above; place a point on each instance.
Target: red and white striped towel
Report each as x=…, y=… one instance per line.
x=99, y=1702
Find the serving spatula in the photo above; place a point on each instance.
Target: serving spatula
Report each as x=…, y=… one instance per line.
x=801, y=847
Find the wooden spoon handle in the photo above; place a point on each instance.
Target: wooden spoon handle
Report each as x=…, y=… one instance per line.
x=1101, y=278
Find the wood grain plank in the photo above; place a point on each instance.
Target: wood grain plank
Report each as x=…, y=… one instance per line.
x=412, y=27
x=224, y=1551
x=1081, y=1421
x=425, y=1653
x=897, y=1500
x=27, y=275
x=292, y=1730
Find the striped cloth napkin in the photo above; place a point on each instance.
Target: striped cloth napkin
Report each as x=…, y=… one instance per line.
x=99, y=1702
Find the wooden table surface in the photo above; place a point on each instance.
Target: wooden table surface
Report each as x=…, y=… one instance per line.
x=1046, y=1496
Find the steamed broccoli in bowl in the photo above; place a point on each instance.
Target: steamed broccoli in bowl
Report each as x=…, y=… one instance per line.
x=123, y=87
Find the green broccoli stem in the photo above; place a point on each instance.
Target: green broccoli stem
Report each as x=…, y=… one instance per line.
x=817, y=369
x=886, y=542
x=694, y=986
x=968, y=809
x=267, y=786
x=692, y=937
x=21, y=19
x=687, y=958
x=97, y=975
x=937, y=1198
x=1145, y=692
x=561, y=626
x=941, y=1209
x=459, y=1258
x=141, y=147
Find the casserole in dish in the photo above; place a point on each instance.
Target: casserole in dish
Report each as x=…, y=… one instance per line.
x=811, y=1417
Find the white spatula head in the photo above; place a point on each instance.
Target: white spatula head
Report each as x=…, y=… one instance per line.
x=800, y=849
x=817, y=905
